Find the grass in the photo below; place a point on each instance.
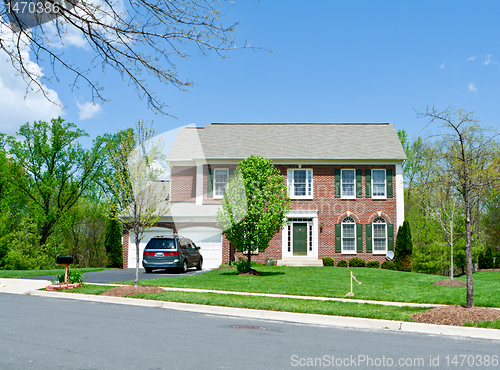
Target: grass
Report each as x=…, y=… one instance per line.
x=365, y=310
x=16, y=274
x=376, y=284
x=484, y=324
x=89, y=289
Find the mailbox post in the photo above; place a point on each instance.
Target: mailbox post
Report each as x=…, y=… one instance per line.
x=65, y=261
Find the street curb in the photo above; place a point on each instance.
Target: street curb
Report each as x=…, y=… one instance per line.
x=302, y=318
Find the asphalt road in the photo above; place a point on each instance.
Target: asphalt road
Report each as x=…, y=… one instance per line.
x=114, y=275
x=51, y=333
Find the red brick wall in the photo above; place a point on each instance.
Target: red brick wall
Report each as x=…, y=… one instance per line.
x=331, y=211
x=125, y=241
x=183, y=184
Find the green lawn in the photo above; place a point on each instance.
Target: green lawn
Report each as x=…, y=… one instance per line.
x=372, y=311
x=15, y=274
x=376, y=284
x=353, y=309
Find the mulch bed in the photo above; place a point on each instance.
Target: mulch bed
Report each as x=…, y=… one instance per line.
x=450, y=282
x=122, y=291
x=251, y=272
x=456, y=315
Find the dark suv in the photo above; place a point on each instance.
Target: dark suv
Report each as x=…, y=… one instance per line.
x=165, y=252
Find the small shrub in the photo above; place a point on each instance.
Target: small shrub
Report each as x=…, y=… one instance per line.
x=242, y=265
x=73, y=277
x=342, y=263
x=388, y=265
x=481, y=261
x=328, y=261
x=357, y=262
x=269, y=262
x=373, y=264
x=497, y=260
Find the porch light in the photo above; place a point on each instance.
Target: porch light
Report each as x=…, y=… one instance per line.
x=321, y=227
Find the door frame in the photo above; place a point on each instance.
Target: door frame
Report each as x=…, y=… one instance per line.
x=311, y=219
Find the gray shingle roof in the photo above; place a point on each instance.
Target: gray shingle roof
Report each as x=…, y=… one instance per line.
x=295, y=141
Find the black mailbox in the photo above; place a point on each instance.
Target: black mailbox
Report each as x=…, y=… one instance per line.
x=64, y=260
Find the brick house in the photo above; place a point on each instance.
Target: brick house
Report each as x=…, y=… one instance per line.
x=345, y=183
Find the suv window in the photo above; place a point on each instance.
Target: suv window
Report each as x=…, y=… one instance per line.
x=161, y=244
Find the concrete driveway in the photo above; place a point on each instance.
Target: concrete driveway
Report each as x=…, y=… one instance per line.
x=114, y=275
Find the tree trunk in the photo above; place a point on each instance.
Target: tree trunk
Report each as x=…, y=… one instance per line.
x=137, y=242
x=468, y=250
x=451, y=237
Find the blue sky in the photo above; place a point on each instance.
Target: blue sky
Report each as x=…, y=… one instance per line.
x=331, y=61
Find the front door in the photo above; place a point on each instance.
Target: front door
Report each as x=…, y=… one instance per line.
x=299, y=239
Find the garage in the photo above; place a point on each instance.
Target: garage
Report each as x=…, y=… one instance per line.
x=210, y=242
x=155, y=231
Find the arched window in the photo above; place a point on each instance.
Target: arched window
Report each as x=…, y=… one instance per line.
x=348, y=235
x=379, y=235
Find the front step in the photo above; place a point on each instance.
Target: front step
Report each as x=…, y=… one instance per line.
x=300, y=261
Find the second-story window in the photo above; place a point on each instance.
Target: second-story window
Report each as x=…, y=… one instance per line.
x=300, y=183
x=221, y=176
x=348, y=187
x=378, y=183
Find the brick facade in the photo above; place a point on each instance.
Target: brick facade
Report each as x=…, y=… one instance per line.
x=331, y=209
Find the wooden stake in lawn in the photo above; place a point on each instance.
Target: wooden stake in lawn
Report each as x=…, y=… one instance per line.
x=351, y=293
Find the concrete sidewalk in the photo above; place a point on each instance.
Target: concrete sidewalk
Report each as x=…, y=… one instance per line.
x=21, y=286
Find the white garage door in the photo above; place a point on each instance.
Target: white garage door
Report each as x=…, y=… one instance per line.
x=148, y=235
x=210, y=242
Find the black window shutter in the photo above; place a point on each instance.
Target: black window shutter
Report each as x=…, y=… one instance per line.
x=210, y=183
x=390, y=237
x=368, y=238
x=359, y=184
x=359, y=238
x=368, y=183
x=338, y=240
x=388, y=174
x=337, y=183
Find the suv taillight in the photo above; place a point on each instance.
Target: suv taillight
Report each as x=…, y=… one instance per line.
x=148, y=253
x=172, y=253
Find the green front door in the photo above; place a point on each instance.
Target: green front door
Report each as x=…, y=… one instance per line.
x=299, y=239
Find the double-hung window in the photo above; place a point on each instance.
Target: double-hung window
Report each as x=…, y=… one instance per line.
x=348, y=235
x=378, y=184
x=379, y=235
x=348, y=186
x=300, y=183
x=221, y=177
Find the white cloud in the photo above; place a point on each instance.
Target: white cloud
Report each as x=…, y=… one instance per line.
x=88, y=110
x=16, y=106
x=470, y=59
x=472, y=87
x=488, y=60
x=442, y=65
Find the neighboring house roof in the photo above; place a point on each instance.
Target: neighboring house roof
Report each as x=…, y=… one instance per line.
x=187, y=145
x=289, y=141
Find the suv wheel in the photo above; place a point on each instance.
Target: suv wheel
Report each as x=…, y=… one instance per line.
x=184, y=267
x=148, y=270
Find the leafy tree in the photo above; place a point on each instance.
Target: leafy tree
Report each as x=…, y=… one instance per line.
x=113, y=241
x=491, y=217
x=54, y=170
x=81, y=233
x=138, y=161
x=254, y=206
x=468, y=159
x=404, y=247
x=132, y=38
x=489, y=259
